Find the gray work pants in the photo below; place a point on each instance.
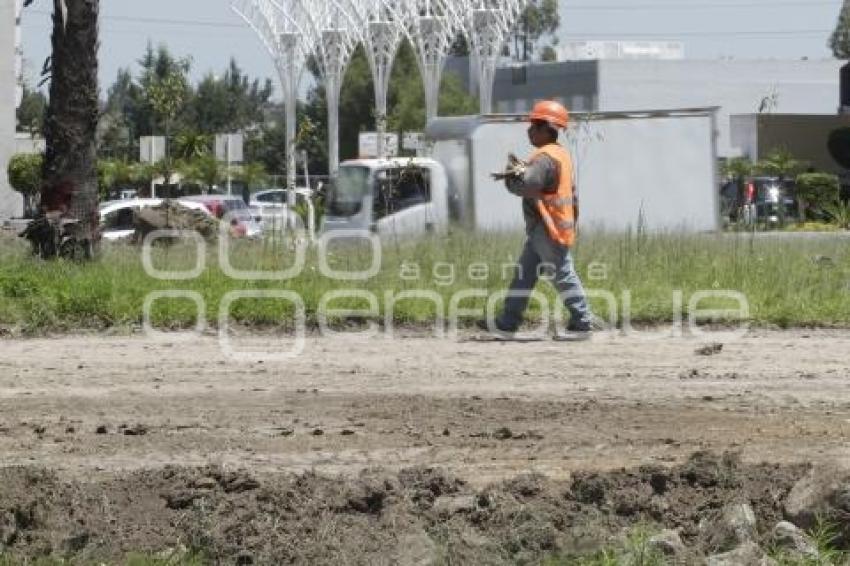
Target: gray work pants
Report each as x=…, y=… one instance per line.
x=539, y=250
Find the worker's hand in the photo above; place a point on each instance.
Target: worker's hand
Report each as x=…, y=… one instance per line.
x=514, y=169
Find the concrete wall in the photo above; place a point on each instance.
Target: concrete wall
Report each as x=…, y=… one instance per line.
x=736, y=86
x=11, y=203
x=664, y=173
x=575, y=84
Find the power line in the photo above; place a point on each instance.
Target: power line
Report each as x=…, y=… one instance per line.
x=751, y=34
x=699, y=6
x=694, y=33
x=569, y=7
x=162, y=21
x=742, y=33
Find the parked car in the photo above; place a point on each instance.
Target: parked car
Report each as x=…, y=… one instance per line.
x=233, y=209
x=270, y=209
x=117, y=218
x=759, y=199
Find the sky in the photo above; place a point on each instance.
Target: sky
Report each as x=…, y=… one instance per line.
x=210, y=33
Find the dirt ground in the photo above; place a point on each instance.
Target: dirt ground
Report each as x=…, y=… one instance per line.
x=133, y=431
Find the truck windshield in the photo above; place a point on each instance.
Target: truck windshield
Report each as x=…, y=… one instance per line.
x=399, y=188
x=346, y=195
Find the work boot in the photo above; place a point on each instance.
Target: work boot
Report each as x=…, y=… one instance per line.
x=575, y=332
x=499, y=328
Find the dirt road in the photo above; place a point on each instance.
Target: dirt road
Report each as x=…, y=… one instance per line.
x=484, y=411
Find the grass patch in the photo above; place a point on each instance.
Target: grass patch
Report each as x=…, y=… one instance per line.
x=787, y=281
x=634, y=551
x=823, y=537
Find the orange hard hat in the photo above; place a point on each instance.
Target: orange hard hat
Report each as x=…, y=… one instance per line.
x=550, y=111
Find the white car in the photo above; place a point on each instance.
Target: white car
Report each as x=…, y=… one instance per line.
x=270, y=209
x=117, y=218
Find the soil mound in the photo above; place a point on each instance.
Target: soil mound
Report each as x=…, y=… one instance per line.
x=417, y=516
x=171, y=215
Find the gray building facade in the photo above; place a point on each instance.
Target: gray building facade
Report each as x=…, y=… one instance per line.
x=11, y=202
x=736, y=86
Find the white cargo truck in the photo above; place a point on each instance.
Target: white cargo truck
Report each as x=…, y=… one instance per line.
x=657, y=169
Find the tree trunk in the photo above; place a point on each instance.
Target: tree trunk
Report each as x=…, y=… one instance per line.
x=70, y=190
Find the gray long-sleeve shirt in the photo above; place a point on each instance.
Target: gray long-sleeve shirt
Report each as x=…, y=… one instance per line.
x=540, y=175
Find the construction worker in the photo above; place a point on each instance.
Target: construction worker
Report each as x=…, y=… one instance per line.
x=550, y=207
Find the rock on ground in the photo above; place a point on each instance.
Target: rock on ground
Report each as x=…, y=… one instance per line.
x=788, y=537
x=734, y=526
x=669, y=543
x=822, y=494
x=748, y=554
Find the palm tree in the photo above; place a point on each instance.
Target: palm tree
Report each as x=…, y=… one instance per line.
x=205, y=170
x=69, y=184
x=114, y=172
x=189, y=145
x=251, y=175
x=781, y=163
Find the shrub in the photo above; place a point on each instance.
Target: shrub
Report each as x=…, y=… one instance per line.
x=816, y=192
x=24, y=172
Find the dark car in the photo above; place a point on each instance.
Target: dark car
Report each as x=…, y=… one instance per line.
x=759, y=199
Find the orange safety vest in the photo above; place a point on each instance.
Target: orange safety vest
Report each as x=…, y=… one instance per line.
x=558, y=209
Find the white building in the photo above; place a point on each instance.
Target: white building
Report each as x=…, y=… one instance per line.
x=11, y=202
x=604, y=50
x=735, y=86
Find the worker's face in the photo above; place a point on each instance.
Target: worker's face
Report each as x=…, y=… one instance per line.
x=538, y=133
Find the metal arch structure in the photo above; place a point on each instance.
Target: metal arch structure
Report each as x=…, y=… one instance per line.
x=282, y=30
x=430, y=26
x=335, y=42
x=486, y=25
x=381, y=35
x=292, y=30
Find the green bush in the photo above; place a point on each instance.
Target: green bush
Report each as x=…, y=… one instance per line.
x=24, y=171
x=839, y=214
x=816, y=192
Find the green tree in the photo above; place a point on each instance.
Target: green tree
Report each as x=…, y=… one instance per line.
x=406, y=105
x=30, y=114
x=114, y=173
x=163, y=91
x=781, y=163
x=737, y=169
x=24, y=172
x=839, y=41
x=125, y=118
x=252, y=175
x=816, y=193
x=204, y=170
x=230, y=103
x=407, y=96
x=166, y=95
x=143, y=174
x=190, y=144
x=538, y=23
